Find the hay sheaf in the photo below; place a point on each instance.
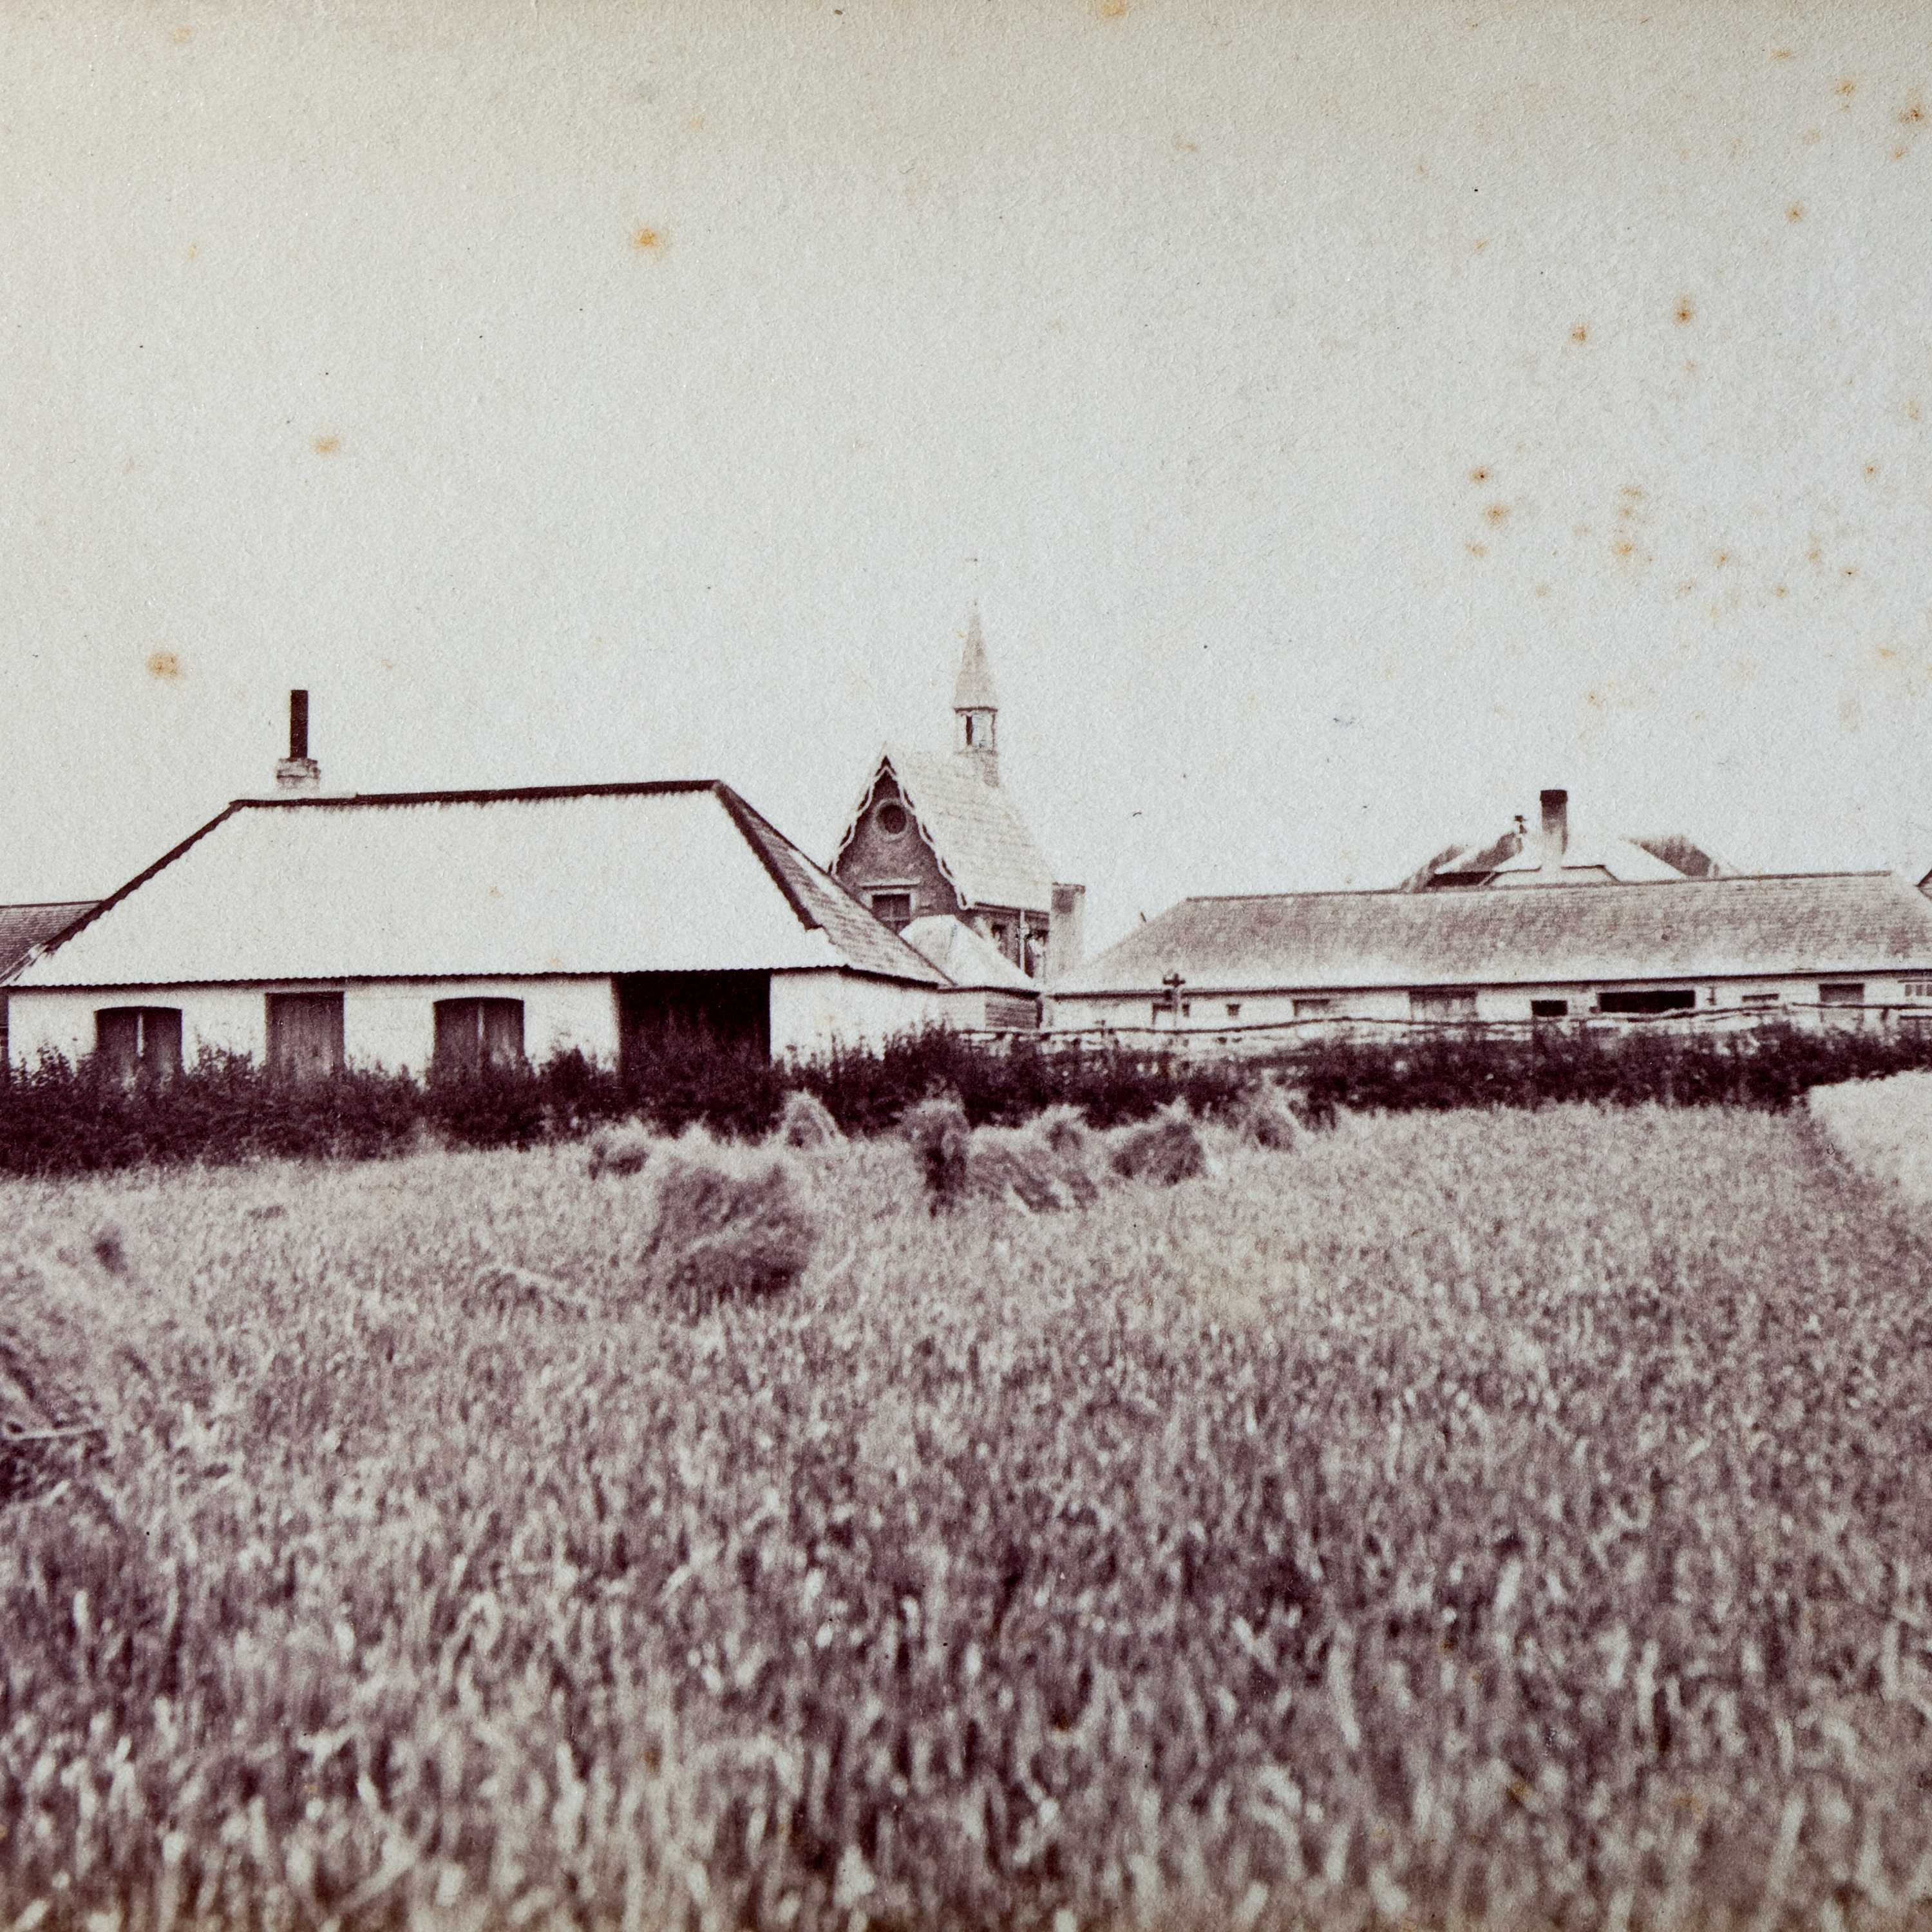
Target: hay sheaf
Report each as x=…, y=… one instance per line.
x=726, y=1224
x=625, y=1149
x=1045, y=1167
x=77, y=1362
x=1162, y=1151
x=940, y=1138
x=1264, y=1115
x=807, y=1122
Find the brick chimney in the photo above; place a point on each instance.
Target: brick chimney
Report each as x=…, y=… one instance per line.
x=297, y=773
x=1065, y=931
x=1556, y=829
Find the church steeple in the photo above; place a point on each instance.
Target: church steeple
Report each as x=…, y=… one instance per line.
x=976, y=705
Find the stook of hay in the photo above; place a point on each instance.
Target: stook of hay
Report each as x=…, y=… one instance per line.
x=1263, y=1116
x=1050, y=1164
x=619, y=1149
x=1163, y=1150
x=940, y=1138
x=727, y=1224
x=74, y=1371
x=807, y=1122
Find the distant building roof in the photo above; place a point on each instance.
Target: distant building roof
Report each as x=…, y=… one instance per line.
x=967, y=957
x=682, y=876
x=24, y=927
x=1514, y=858
x=1683, y=929
x=982, y=844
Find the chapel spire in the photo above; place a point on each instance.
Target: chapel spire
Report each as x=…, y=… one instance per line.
x=976, y=705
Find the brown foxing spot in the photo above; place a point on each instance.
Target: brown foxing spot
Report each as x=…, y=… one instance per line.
x=164, y=665
x=1723, y=557
x=326, y=445
x=1497, y=514
x=1541, y=589
x=1813, y=135
x=645, y=239
x=1184, y=146
x=1480, y=474
x=1847, y=88
x=1780, y=53
x=193, y=250
x=1684, y=589
x=1885, y=656
x=1795, y=212
x=1871, y=469
x=1632, y=490
x=1898, y=154
x=1780, y=590
x=1815, y=555
x=696, y=124
x=1911, y=112
x=1581, y=333
x=182, y=35
x=1480, y=246
x=1686, y=309
x=1851, y=570
x=1478, y=549
x=1112, y=10
x=1623, y=547
x=1912, y=410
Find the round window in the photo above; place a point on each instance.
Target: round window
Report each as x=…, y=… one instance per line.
x=891, y=818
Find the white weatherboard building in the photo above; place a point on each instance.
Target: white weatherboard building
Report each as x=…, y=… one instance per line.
x=312, y=931
x=1561, y=952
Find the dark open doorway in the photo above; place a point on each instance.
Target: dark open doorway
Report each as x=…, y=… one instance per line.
x=657, y=1012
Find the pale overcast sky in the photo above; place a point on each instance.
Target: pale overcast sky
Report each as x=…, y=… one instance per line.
x=1349, y=418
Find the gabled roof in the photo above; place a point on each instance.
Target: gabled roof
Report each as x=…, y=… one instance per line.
x=682, y=876
x=1506, y=859
x=981, y=844
x=967, y=957
x=24, y=927
x=1849, y=923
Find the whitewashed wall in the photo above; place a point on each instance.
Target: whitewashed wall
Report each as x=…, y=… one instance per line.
x=387, y=1023
x=811, y=1011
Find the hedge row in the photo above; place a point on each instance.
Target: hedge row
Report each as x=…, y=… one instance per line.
x=57, y=1118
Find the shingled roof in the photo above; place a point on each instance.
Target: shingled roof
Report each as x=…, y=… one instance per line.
x=981, y=842
x=24, y=927
x=682, y=876
x=1683, y=929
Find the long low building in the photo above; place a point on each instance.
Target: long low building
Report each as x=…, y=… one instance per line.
x=399, y=929
x=1682, y=945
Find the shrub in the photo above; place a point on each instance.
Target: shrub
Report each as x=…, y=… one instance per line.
x=806, y=1121
x=1163, y=1151
x=727, y=1224
x=940, y=1138
x=623, y=1149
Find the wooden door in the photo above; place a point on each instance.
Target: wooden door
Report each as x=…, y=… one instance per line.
x=304, y=1034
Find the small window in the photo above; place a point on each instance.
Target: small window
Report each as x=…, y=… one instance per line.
x=1648, y=1000
x=1842, y=993
x=891, y=818
x=1309, y=1009
x=892, y=909
x=969, y=728
x=1442, y=1003
x=1187, y=1010
x=471, y=1034
x=1549, y=1009
x=1761, y=999
x=133, y=1040
x=1155, y=1012
x=1234, y=1010
x=304, y=1034
x=1919, y=989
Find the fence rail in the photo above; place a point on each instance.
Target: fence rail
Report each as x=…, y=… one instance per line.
x=1365, y=1027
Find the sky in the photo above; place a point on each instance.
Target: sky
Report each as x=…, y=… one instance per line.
x=1349, y=419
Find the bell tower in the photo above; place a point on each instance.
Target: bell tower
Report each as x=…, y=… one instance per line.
x=976, y=705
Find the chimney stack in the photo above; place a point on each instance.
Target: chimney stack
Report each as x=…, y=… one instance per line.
x=297, y=773
x=1556, y=827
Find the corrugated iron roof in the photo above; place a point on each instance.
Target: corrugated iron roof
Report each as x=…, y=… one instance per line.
x=967, y=957
x=1847, y=923
x=24, y=927
x=681, y=876
x=981, y=842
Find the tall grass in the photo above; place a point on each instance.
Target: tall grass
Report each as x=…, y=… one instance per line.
x=1497, y=1519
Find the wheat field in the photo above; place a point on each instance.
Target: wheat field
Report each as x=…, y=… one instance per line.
x=1485, y=1519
